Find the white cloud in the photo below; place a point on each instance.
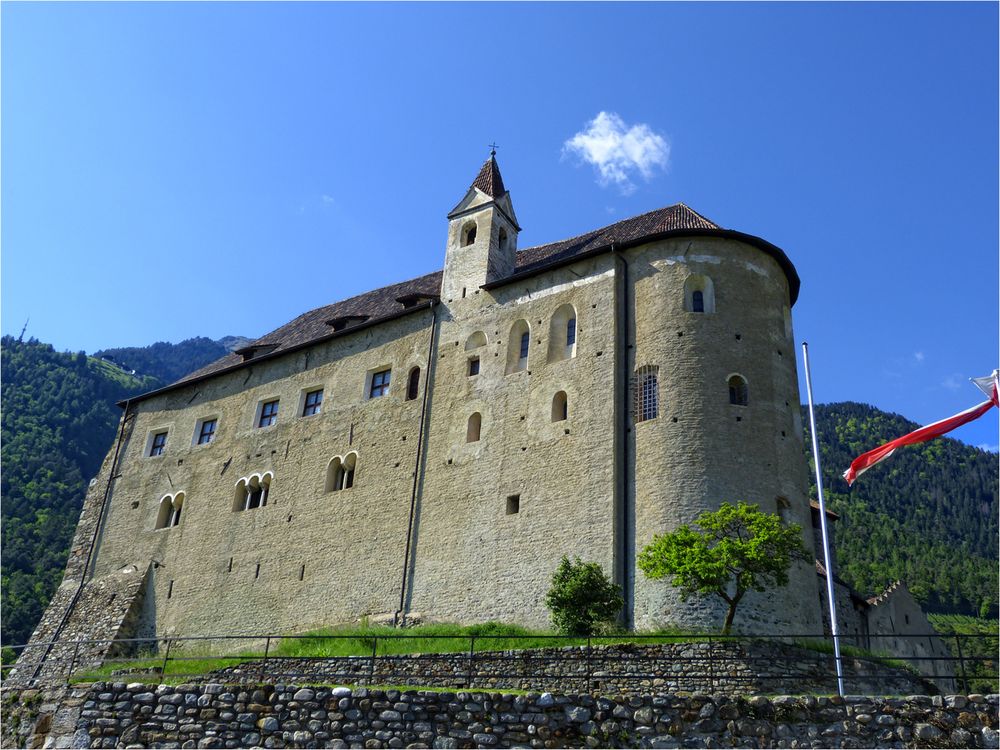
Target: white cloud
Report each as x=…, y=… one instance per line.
x=988, y=447
x=619, y=151
x=327, y=198
x=954, y=382
x=919, y=356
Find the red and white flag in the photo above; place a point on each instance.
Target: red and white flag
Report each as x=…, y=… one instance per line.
x=988, y=385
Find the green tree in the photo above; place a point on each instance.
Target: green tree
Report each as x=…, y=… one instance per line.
x=582, y=598
x=739, y=548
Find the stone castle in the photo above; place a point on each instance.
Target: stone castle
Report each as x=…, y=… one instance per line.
x=432, y=449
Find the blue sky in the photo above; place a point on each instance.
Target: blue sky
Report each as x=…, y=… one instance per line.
x=175, y=170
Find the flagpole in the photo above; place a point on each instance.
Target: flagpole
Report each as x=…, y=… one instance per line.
x=822, y=522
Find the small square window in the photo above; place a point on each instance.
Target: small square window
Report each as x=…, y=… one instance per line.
x=313, y=403
x=206, y=434
x=380, y=384
x=159, y=444
x=513, y=504
x=473, y=366
x=268, y=413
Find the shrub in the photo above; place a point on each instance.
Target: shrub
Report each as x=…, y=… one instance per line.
x=582, y=598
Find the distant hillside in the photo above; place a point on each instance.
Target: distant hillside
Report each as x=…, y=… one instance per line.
x=169, y=362
x=58, y=421
x=927, y=515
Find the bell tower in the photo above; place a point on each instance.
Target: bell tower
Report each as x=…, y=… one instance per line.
x=482, y=235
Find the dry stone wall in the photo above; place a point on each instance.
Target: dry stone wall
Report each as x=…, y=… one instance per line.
x=116, y=714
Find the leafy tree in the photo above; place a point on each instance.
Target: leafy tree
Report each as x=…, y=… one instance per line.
x=738, y=549
x=582, y=598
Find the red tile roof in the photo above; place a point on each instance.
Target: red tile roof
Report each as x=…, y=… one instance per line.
x=378, y=305
x=489, y=180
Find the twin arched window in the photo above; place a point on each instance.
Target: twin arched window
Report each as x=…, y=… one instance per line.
x=252, y=492
x=169, y=512
x=562, y=333
x=340, y=472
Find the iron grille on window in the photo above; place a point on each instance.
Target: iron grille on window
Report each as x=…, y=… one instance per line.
x=645, y=394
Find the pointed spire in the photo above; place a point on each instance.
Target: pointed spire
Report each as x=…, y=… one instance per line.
x=489, y=180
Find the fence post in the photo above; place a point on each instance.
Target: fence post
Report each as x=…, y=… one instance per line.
x=263, y=664
x=472, y=655
x=961, y=663
x=711, y=665
x=166, y=658
x=371, y=668
x=72, y=664
x=588, y=686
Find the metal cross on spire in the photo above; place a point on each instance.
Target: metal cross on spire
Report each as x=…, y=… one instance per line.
x=493, y=149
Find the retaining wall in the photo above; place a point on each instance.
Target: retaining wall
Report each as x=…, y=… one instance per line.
x=278, y=716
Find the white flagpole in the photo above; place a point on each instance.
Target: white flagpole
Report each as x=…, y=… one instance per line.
x=822, y=522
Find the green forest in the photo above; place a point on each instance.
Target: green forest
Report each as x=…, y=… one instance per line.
x=58, y=420
x=928, y=515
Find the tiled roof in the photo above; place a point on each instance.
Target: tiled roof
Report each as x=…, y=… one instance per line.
x=489, y=180
x=389, y=301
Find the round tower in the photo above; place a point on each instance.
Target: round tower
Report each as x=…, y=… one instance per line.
x=715, y=414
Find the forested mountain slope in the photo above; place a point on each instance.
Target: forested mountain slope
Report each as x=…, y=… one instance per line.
x=927, y=515
x=169, y=362
x=58, y=421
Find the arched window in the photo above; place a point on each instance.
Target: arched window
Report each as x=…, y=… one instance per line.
x=175, y=509
x=340, y=473
x=560, y=407
x=646, y=393
x=164, y=512
x=413, y=384
x=517, y=347
x=475, y=341
x=474, y=427
x=738, y=392
x=699, y=294
x=469, y=233
x=698, y=301
x=252, y=492
x=562, y=333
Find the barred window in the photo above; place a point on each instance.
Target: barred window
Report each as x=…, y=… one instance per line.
x=645, y=393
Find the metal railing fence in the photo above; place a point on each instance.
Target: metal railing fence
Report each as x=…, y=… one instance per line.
x=767, y=663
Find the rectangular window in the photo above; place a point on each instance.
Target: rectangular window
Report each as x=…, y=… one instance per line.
x=380, y=384
x=513, y=504
x=645, y=394
x=268, y=413
x=313, y=404
x=474, y=366
x=159, y=444
x=571, y=332
x=525, y=340
x=207, y=432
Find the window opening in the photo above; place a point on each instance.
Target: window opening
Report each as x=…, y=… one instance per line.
x=562, y=334
x=159, y=444
x=413, y=384
x=469, y=234
x=207, y=432
x=313, y=404
x=268, y=413
x=571, y=332
x=380, y=384
x=646, y=394
x=252, y=493
x=513, y=504
x=340, y=473
x=517, y=347
x=738, y=391
x=473, y=366
x=698, y=301
x=525, y=341
x=560, y=407
x=474, y=428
